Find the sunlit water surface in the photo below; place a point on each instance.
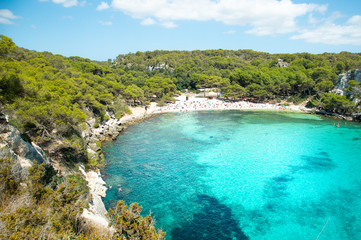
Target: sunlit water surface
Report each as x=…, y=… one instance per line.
x=241, y=175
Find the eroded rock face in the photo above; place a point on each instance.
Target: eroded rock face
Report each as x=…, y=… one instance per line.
x=12, y=145
x=11, y=138
x=23, y=153
x=343, y=80
x=96, y=212
x=108, y=131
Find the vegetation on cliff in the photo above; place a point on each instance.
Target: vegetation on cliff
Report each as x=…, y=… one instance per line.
x=44, y=206
x=51, y=98
x=49, y=206
x=257, y=76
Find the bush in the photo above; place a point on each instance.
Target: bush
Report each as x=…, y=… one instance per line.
x=129, y=224
x=40, y=212
x=9, y=183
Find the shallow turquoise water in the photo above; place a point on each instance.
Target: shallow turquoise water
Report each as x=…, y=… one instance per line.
x=241, y=175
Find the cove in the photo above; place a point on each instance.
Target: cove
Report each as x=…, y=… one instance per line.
x=241, y=175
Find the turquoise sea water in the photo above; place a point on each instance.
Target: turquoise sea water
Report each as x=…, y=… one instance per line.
x=241, y=175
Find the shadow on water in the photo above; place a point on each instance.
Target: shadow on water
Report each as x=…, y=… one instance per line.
x=277, y=187
x=214, y=221
x=322, y=162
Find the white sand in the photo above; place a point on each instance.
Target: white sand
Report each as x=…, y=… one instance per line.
x=201, y=104
x=196, y=104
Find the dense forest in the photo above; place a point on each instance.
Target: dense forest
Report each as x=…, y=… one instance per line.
x=54, y=94
x=50, y=97
x=256, y=76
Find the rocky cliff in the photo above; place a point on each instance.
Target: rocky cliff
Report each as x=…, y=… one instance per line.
x=23, y=153
x=12, y=145
x=343, y=80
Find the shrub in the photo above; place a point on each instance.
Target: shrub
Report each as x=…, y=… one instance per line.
x=129, y=224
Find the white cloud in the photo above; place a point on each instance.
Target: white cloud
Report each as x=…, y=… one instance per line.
x=6, y=16
x=355, y=20
x=5, y=21
x=102, y=6
x=33, y=27
x=151, y=21
x=148, y=22
x=106, y=23
x=264, y=16
x=334, y=34
x=229, y=32
x=6, y=13
x=67, y=3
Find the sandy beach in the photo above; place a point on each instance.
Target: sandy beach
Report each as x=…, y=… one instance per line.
x=201, y=104
x=198, y=104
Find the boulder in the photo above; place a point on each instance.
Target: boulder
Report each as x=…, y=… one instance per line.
x=356, y=116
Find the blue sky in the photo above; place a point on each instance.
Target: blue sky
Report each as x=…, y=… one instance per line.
x=102, y=29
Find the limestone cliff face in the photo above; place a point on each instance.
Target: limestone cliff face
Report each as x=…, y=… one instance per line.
x=93, y=136
x=96, y=213
x=14, y=146
x=343, y=80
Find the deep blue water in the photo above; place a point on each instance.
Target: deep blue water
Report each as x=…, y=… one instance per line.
x=241, y=175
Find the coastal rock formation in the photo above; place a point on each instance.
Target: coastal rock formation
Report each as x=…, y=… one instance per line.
x=13, y=145
x=94, y=135
x=96, y=212
x=356, y=116
x=108, y=131
x=343, y=80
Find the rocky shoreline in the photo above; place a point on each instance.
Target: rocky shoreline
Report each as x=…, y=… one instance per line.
x=110, y=130
x=94, y=136
x=13, y=145
x=354, y=117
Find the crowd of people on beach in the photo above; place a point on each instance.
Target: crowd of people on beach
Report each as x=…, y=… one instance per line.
x=195, y=104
